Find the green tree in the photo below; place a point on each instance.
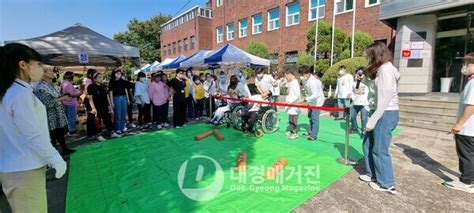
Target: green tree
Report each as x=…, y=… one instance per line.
x=145, y=35
x=362, y=41
x=305, y=60
x=258, y=48
x=342, y=44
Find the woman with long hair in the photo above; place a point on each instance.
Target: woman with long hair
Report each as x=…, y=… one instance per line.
x=383, y=121
x=57, y=119
x=26, y=149
x=118, y=91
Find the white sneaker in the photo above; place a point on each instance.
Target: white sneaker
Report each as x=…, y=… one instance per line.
x=166, y=125
x=159, y=127
x=132, y=125
x=366, y=178
x=293, y=136
x=115, y=135
x=100, y=138
x=458, y=185
x=124, y=130
x=197, y=119
x=391, y=190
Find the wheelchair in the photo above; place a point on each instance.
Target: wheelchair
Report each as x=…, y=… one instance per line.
x=267, y=120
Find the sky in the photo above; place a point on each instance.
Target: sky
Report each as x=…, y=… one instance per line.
x=21, y=19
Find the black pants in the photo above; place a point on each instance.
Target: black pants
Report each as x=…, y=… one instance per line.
x=249, y=120
x=465, y=150
x=198, y=108
x=160, y=114
x=144, y=114
x=130, y=112
x=208, y=104
x=57, y=136
x=104, y=116
x=293, y=123
x=179, y=112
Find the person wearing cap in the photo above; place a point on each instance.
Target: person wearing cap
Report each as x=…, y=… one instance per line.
x=360, y=102
x=67, y=88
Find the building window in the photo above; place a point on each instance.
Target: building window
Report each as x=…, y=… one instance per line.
x=292, y=57
x=274, y=19
x=293, y=14
x=193, y=42
x=316, y=8
x=219, y=3
x=220, y=34
x=174, y=47
x=273, y=58
x=230, y=32
x=344, y=6
x=242, y=28
x=185, y=41
x=179, y=46
x=370, y=3
x=257, y=24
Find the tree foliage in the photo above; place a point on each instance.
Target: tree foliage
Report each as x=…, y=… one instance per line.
x=342, y=44
x=145, y=35
x=258, y=48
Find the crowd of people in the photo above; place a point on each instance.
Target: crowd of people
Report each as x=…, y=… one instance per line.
x=37, y=116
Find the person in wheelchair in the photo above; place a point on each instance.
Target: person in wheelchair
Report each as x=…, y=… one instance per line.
x=255, y=109
x=223, y=108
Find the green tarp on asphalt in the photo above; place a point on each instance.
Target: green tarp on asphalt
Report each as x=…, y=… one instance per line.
x=139, y=173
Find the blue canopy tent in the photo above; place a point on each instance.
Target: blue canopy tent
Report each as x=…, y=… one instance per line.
x=174, y=64
x=196, y=60
x=230, y=54
x=151, y=67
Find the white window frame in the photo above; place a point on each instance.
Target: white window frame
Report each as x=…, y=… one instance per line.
x=230, y=34
x=193, y=42
x=270, y=21
x=219, y=3
x=256, y=25
x=243, y=31
x=371, y=5
x=219, y=38
x=293, y=15
x=344, y=7
x=311, y=7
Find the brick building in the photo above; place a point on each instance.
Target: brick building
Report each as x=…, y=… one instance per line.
x=280, y=24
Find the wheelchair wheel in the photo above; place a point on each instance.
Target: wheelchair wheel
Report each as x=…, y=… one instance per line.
x=270, y=121
x=236, y=117
x=227, y=119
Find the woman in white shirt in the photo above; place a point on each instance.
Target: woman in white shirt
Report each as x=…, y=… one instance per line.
x=360, y=102
x=25, y=147
x=383, y=121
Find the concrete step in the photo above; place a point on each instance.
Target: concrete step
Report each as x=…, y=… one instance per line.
x=430, y=110
x=438, y=118
x=430, y=125
x=429, y=104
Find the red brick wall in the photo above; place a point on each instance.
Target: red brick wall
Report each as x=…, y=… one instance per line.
x=283, y=40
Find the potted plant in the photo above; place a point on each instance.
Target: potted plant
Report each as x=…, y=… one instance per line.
x=447, y=81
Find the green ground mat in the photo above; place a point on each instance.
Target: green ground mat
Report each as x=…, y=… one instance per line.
x=140, y=173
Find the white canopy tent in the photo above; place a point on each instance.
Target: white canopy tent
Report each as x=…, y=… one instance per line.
x=196, y=60
x=230, y=54
x=68, y=46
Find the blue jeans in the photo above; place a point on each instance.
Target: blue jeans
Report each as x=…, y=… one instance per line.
x=363, y=116
x=313, y=116
x=71, y=112
x=189, y=107
x=378, y=162
x=345, y=103
x=120, y=111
